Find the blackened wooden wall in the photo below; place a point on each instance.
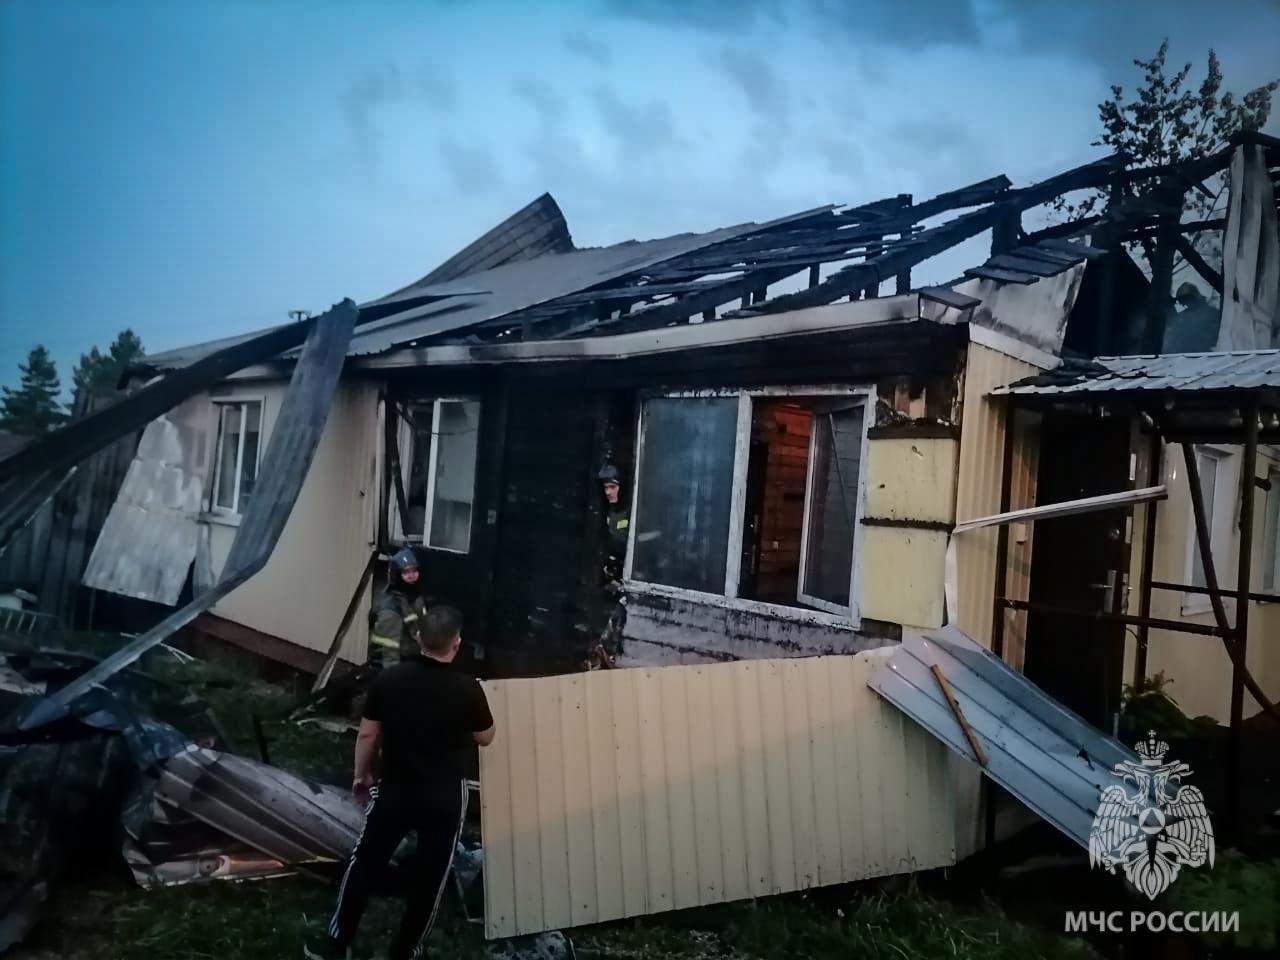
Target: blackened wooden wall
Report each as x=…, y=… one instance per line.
x=538, y=610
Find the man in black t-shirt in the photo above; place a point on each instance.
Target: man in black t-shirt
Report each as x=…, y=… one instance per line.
x=426, y=717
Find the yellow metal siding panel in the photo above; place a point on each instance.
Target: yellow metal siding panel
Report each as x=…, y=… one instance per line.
x=902, y=575
x=606, y=830
x=731, y=804
x=557, y=908
x=912, y=479
x=826, y=796
x=847, y=764
x=657, y=823
x=978, y=484
x=675, y=738
x=497, y=824
x=751, y=764
x=621, y=792
x=705, y=789
x=630, y=775
x=1199, y=666
x=579, y=816
x=799, y=748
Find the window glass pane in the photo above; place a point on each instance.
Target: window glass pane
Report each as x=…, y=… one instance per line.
x=685, y=492
x=252, y=414
x=1208, y=484
x=455, y=475
x=415, y=452
x=833, y=499
x=228, y=449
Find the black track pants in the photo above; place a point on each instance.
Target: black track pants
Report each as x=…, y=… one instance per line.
x=435, y=811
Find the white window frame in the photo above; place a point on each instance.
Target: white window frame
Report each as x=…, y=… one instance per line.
x=219, y=404
x=1271, y=532
x=1222, y=524
x=815, y=611
x=405, y=441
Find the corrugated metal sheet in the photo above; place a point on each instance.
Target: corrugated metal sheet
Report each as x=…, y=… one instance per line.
x=151, y=534
x=1170, y=371
x=627, y=792
x=531, y=231
x=1045, y=755
x=288, y=458
x=500, y=290
x=978, y=491
x=978, y=494
x=1250, y=256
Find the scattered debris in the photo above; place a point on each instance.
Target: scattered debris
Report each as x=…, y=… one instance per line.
x=553, y=945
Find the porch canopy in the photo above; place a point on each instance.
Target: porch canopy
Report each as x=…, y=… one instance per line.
x=1222, y=398
x=1192, y=397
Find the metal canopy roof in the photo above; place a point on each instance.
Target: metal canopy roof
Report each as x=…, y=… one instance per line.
x=1246, y=370
x=1051, y=759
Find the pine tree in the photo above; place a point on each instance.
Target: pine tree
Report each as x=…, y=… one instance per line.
x=33, y=408
x=99, y=373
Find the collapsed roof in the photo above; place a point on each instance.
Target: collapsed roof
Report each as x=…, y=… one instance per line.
x=526, y=280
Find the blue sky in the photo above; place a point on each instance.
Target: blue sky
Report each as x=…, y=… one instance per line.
x=197, y=169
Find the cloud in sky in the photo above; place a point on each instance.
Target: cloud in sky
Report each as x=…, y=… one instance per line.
x=197, y=172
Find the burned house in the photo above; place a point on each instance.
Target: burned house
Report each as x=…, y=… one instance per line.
x=838, y=483
x=798, y=429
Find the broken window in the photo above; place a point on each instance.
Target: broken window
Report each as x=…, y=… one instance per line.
x=1217, y=483
x=236, y=462
x=685, y=492
x=835, y=460
x=438, y=441
x=753, y=496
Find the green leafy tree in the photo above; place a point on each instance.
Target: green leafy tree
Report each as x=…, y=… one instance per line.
x=99, y=373
x=1169, y=120
x=32, y=408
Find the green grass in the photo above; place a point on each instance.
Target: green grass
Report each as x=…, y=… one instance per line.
x=106, y=917
x=869, y=921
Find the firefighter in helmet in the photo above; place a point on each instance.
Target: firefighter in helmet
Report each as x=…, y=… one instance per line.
x=398, y=609
x=617, y=521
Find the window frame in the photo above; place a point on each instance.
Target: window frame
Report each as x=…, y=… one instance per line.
x=405, y=437
x=1271, y=531
x=233, y=513
x=814, y=610
x=1221, y=524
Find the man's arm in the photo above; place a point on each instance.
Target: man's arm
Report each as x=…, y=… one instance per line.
x=482, y=725
x=366, y=749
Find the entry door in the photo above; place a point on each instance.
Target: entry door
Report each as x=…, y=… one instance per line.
x=1080, y=563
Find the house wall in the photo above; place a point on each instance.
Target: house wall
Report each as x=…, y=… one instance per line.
x=598, y=804
x=910, y=496
x=304, y=589
x=1198, y=666
x=980, y=466
x=541, y=585
x=978, y=485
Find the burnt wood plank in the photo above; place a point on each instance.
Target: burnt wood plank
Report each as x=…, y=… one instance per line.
x=1005, y=276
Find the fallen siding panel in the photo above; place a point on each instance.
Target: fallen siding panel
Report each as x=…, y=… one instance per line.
x=621, y=793
x=284, y=467
x=151, y=534
x=1045, y=755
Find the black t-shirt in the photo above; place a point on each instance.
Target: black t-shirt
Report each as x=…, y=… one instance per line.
x=428, y=712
